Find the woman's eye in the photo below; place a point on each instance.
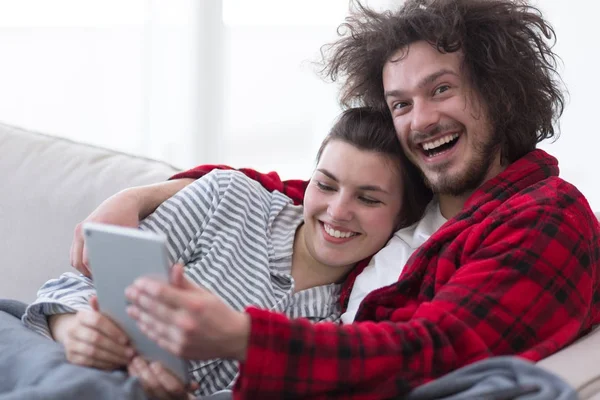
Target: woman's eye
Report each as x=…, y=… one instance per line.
x=369, y=201
x=324, y=187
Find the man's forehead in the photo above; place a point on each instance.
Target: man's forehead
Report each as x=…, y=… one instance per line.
x=423, y=54
x=418, y=64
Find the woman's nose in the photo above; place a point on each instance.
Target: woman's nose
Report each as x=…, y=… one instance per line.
x=339, y=209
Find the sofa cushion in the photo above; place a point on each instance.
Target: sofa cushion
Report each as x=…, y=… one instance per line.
x=48, y=185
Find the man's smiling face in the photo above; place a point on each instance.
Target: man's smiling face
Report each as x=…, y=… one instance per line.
x=440, y=119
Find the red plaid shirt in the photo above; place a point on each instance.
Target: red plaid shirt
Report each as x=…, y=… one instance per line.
x=515, y=272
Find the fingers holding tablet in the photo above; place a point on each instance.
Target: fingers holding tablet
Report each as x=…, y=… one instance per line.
x=157, y=381
x=119, y=256
x=87, y=343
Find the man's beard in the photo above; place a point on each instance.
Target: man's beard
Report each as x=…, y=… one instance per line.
x=470, y=179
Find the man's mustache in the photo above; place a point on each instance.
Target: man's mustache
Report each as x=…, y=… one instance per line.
x=418, y=136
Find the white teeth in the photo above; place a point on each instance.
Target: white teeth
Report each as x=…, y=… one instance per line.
x=337, y=234
x=439, y=142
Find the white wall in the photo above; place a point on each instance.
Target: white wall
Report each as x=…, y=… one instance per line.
x=274, y=98
x=122, y=74
x=172, y=80
x=72, y=78
x=576, y=26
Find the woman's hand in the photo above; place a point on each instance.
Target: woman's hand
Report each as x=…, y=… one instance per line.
x=121, y=209
x=91, y=339
x=158, y=382
x=187, y=320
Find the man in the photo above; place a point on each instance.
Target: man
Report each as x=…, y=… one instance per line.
x=470, y=86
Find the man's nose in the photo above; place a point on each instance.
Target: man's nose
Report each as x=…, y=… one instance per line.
x=424, y=116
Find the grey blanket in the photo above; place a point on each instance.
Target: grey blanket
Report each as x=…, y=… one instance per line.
x=497, y=378
x=33, y=367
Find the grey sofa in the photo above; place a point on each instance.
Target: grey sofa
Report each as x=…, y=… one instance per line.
x=50, y=184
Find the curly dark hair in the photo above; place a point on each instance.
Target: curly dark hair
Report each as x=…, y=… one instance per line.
x=508, y=57
x=371, y=129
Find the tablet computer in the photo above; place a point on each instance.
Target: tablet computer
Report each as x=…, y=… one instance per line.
x=118, y=256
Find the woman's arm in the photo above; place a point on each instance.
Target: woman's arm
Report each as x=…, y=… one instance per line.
x=129, y=206
x=149, y=197
x=67, y=311
x=66, y=294
x=125, y=208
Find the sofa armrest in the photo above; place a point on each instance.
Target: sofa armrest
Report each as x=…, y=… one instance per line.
x=578, y=364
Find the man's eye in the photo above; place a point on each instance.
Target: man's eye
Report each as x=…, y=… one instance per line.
x=400, y=105
x=441, y=89
x=324, y=187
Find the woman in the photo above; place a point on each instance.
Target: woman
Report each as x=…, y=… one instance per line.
x=253, y=247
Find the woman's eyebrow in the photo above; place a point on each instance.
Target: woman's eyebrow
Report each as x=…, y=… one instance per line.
x=371, y=188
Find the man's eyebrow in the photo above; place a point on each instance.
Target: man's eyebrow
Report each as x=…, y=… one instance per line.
x=424, y=82
x=370, y=188
x=433, y=77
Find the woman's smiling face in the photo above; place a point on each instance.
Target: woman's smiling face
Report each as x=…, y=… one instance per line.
x=351, y=205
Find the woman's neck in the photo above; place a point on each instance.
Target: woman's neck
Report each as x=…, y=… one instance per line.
x=309, y=272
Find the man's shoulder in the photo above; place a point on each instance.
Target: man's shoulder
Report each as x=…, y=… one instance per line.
x=553, y=192
x=553, y=197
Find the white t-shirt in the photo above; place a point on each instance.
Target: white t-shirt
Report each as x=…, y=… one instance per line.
x=387, y=264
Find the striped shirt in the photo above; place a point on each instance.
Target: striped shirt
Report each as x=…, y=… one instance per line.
x=236, y=239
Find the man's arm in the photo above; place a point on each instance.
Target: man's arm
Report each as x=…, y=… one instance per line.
x=293, y=188
x=528, y=288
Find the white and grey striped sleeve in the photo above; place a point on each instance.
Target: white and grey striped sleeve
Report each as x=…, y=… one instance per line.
x=71, y=292
x=181, y=218
x=67, y=294
x=184, y=217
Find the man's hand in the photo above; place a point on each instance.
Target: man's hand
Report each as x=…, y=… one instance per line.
x=121, y=209
x=187, y=320
x=158, y=382
x=91, y=339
